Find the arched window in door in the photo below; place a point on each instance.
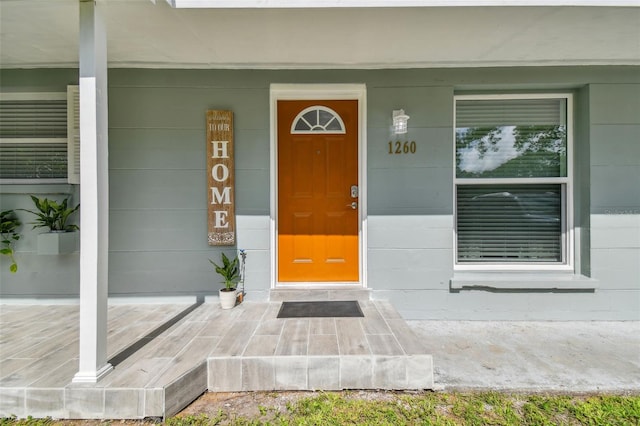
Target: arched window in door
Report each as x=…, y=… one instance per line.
x=318, y=119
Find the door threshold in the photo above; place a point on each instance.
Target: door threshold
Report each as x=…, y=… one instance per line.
x=317, y=293
x=319, y=286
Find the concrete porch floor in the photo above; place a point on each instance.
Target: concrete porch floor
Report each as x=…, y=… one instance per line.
x=165, y=356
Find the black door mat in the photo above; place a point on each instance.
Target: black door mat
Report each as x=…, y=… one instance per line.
x=342, y=308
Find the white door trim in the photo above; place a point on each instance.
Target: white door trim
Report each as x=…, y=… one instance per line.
x=319, y=91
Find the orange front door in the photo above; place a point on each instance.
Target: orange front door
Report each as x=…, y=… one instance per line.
x=317, y=191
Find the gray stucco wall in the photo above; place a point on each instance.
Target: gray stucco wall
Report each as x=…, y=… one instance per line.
x=158, y=243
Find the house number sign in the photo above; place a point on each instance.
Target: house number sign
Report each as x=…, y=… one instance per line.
x=399, y=147
x=221, y=177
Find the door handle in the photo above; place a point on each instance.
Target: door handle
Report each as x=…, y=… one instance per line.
x=353, y=205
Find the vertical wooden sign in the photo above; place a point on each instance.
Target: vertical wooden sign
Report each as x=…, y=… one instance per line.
x=220, y=168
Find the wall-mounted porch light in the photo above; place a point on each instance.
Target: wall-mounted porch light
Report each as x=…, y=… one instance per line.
x=400, y=122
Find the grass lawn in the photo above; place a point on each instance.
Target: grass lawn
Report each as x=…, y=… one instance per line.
x=487, y=408
x=430, y=408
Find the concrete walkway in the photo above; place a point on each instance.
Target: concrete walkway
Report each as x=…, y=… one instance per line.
x=572, y=356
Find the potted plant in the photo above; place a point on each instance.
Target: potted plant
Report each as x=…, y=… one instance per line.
x=9, y=225
x=230, y=273
x=54, y=216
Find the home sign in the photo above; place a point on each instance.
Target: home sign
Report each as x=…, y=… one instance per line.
x=221, y=177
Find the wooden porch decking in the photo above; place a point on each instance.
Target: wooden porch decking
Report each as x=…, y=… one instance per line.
x=165, y=356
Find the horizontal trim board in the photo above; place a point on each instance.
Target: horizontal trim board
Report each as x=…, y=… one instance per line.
x=541, y=63
x=523, y=281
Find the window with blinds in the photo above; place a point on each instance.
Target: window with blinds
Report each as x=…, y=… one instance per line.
x=35, y=137
x=512, y=179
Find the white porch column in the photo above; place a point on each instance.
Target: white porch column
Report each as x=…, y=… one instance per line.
x=94, y=194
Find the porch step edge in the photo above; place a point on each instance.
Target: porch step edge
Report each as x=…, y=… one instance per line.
x=319, y=294
x=333, y=372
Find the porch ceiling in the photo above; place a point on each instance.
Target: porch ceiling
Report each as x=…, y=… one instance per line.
x=44, y=33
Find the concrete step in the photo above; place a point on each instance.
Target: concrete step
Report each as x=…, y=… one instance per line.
x=319, y=294
x=391, y=372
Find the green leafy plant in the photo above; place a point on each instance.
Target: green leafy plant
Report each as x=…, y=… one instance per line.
x=229, y=271
x=53, y=215
x=9, y=225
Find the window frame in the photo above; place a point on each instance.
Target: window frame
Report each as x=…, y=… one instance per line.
x=566, y=184
x=317, y=108
x=44, y=96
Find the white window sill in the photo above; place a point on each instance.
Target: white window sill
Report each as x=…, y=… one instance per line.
x=41, y=187
x=522, y=280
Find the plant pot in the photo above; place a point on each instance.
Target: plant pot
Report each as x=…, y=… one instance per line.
x=57, y=242
x=227, y=298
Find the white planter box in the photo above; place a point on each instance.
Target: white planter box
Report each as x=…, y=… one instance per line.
x=58, y=242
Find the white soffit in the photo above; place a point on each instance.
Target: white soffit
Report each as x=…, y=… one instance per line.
x=141, y=34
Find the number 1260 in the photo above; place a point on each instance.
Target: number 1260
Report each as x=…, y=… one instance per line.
x=399, y=147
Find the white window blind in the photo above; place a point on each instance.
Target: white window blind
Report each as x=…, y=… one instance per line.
x=34, y=137
x=511, y=180
x=522, y=112
x=509, y=223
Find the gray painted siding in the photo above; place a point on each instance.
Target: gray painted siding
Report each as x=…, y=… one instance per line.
x=158, y=182
x=615, y=192
x=38, y=275
x=158, y=189
x=410, y=247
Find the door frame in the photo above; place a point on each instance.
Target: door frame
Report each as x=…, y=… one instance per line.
x=357, y=92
